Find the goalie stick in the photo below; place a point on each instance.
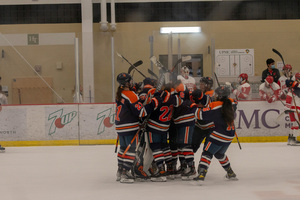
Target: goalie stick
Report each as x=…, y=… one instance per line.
x=138, y=63
x=237, y=138
x=130, y=64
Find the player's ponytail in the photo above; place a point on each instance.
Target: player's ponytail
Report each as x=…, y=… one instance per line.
x=119, y=93
x=227, y=110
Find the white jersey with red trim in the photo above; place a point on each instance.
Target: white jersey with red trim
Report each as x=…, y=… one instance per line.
x=271, y=93
x=190, y=82
x=243, y=91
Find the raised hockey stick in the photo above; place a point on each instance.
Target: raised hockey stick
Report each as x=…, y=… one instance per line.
x=152, y=73
x=138, y=63
x=237, y=138
x=279, y=54
x=130, y=64
x=182, y=59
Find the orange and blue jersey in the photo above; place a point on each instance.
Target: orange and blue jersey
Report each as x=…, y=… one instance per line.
x=129, y=111
x=159, y=121
x=222, y=133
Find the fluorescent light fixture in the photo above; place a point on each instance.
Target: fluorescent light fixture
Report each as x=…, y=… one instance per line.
x=194, y=29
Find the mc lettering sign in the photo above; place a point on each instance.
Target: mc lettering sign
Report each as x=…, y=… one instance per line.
x=259, y=118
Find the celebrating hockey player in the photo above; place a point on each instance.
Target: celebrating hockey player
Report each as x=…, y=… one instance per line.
x=187, y=80
x=148, y=84
x=184, y=121
x=128, y=112
x=269, y=90
x=221, y=112
x=287, y=74
x=243, y=91
x=157, y=128
x=293, y=103
x=206, y=85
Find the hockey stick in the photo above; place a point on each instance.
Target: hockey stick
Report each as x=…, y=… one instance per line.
x=116, y=148
x=279, y=54
x=152, y=73
x=237, y=138
x=217, y=79
x=138, y=63
x=182, y=59
x=130, y=64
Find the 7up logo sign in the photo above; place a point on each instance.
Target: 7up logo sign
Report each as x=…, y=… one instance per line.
x=106, y=120
x=59, y=119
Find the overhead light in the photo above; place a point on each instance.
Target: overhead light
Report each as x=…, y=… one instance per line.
x=194, y=29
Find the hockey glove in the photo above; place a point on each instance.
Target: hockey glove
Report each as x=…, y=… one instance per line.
x=271, y=99
x=291, y=83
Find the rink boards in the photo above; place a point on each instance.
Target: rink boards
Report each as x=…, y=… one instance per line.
x=82, y=124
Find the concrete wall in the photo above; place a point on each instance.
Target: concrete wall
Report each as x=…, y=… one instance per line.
x=132, y=41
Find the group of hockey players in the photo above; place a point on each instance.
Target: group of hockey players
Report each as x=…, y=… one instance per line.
x=170, y=123
x=161, y=127
x=286, y=89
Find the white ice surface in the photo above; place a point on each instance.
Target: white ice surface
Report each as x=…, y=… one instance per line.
x=266, y=171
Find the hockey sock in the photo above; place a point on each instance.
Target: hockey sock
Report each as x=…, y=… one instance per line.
x=223, y=159
x=205, y=160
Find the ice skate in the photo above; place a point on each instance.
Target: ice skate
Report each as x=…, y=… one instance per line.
x=189, y=173
x=171, y=170
x=230, y=175
x=294, y=141
x=201, y=176
x=289, y=139
x=180, y=170
x=159, y=175
x=119, y=172
x=126, y=177
x=2, y=149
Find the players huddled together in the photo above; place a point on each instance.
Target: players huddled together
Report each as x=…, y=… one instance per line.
x=159, y=128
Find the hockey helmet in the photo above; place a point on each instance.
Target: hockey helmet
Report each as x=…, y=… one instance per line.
x=148, y=81
x=222, y=91
x=269, y=79
x=243, y=76
x=210, y=81
x=197, y=95
x=123, y=78
x=287, y=67
x=203, y=80
x=297, y=76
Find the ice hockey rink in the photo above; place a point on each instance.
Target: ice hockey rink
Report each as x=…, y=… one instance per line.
x=266, y=171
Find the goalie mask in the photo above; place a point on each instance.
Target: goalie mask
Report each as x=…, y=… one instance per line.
x=222, y=92
x=124, y=78
x=185, y=72
x=243, y=78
